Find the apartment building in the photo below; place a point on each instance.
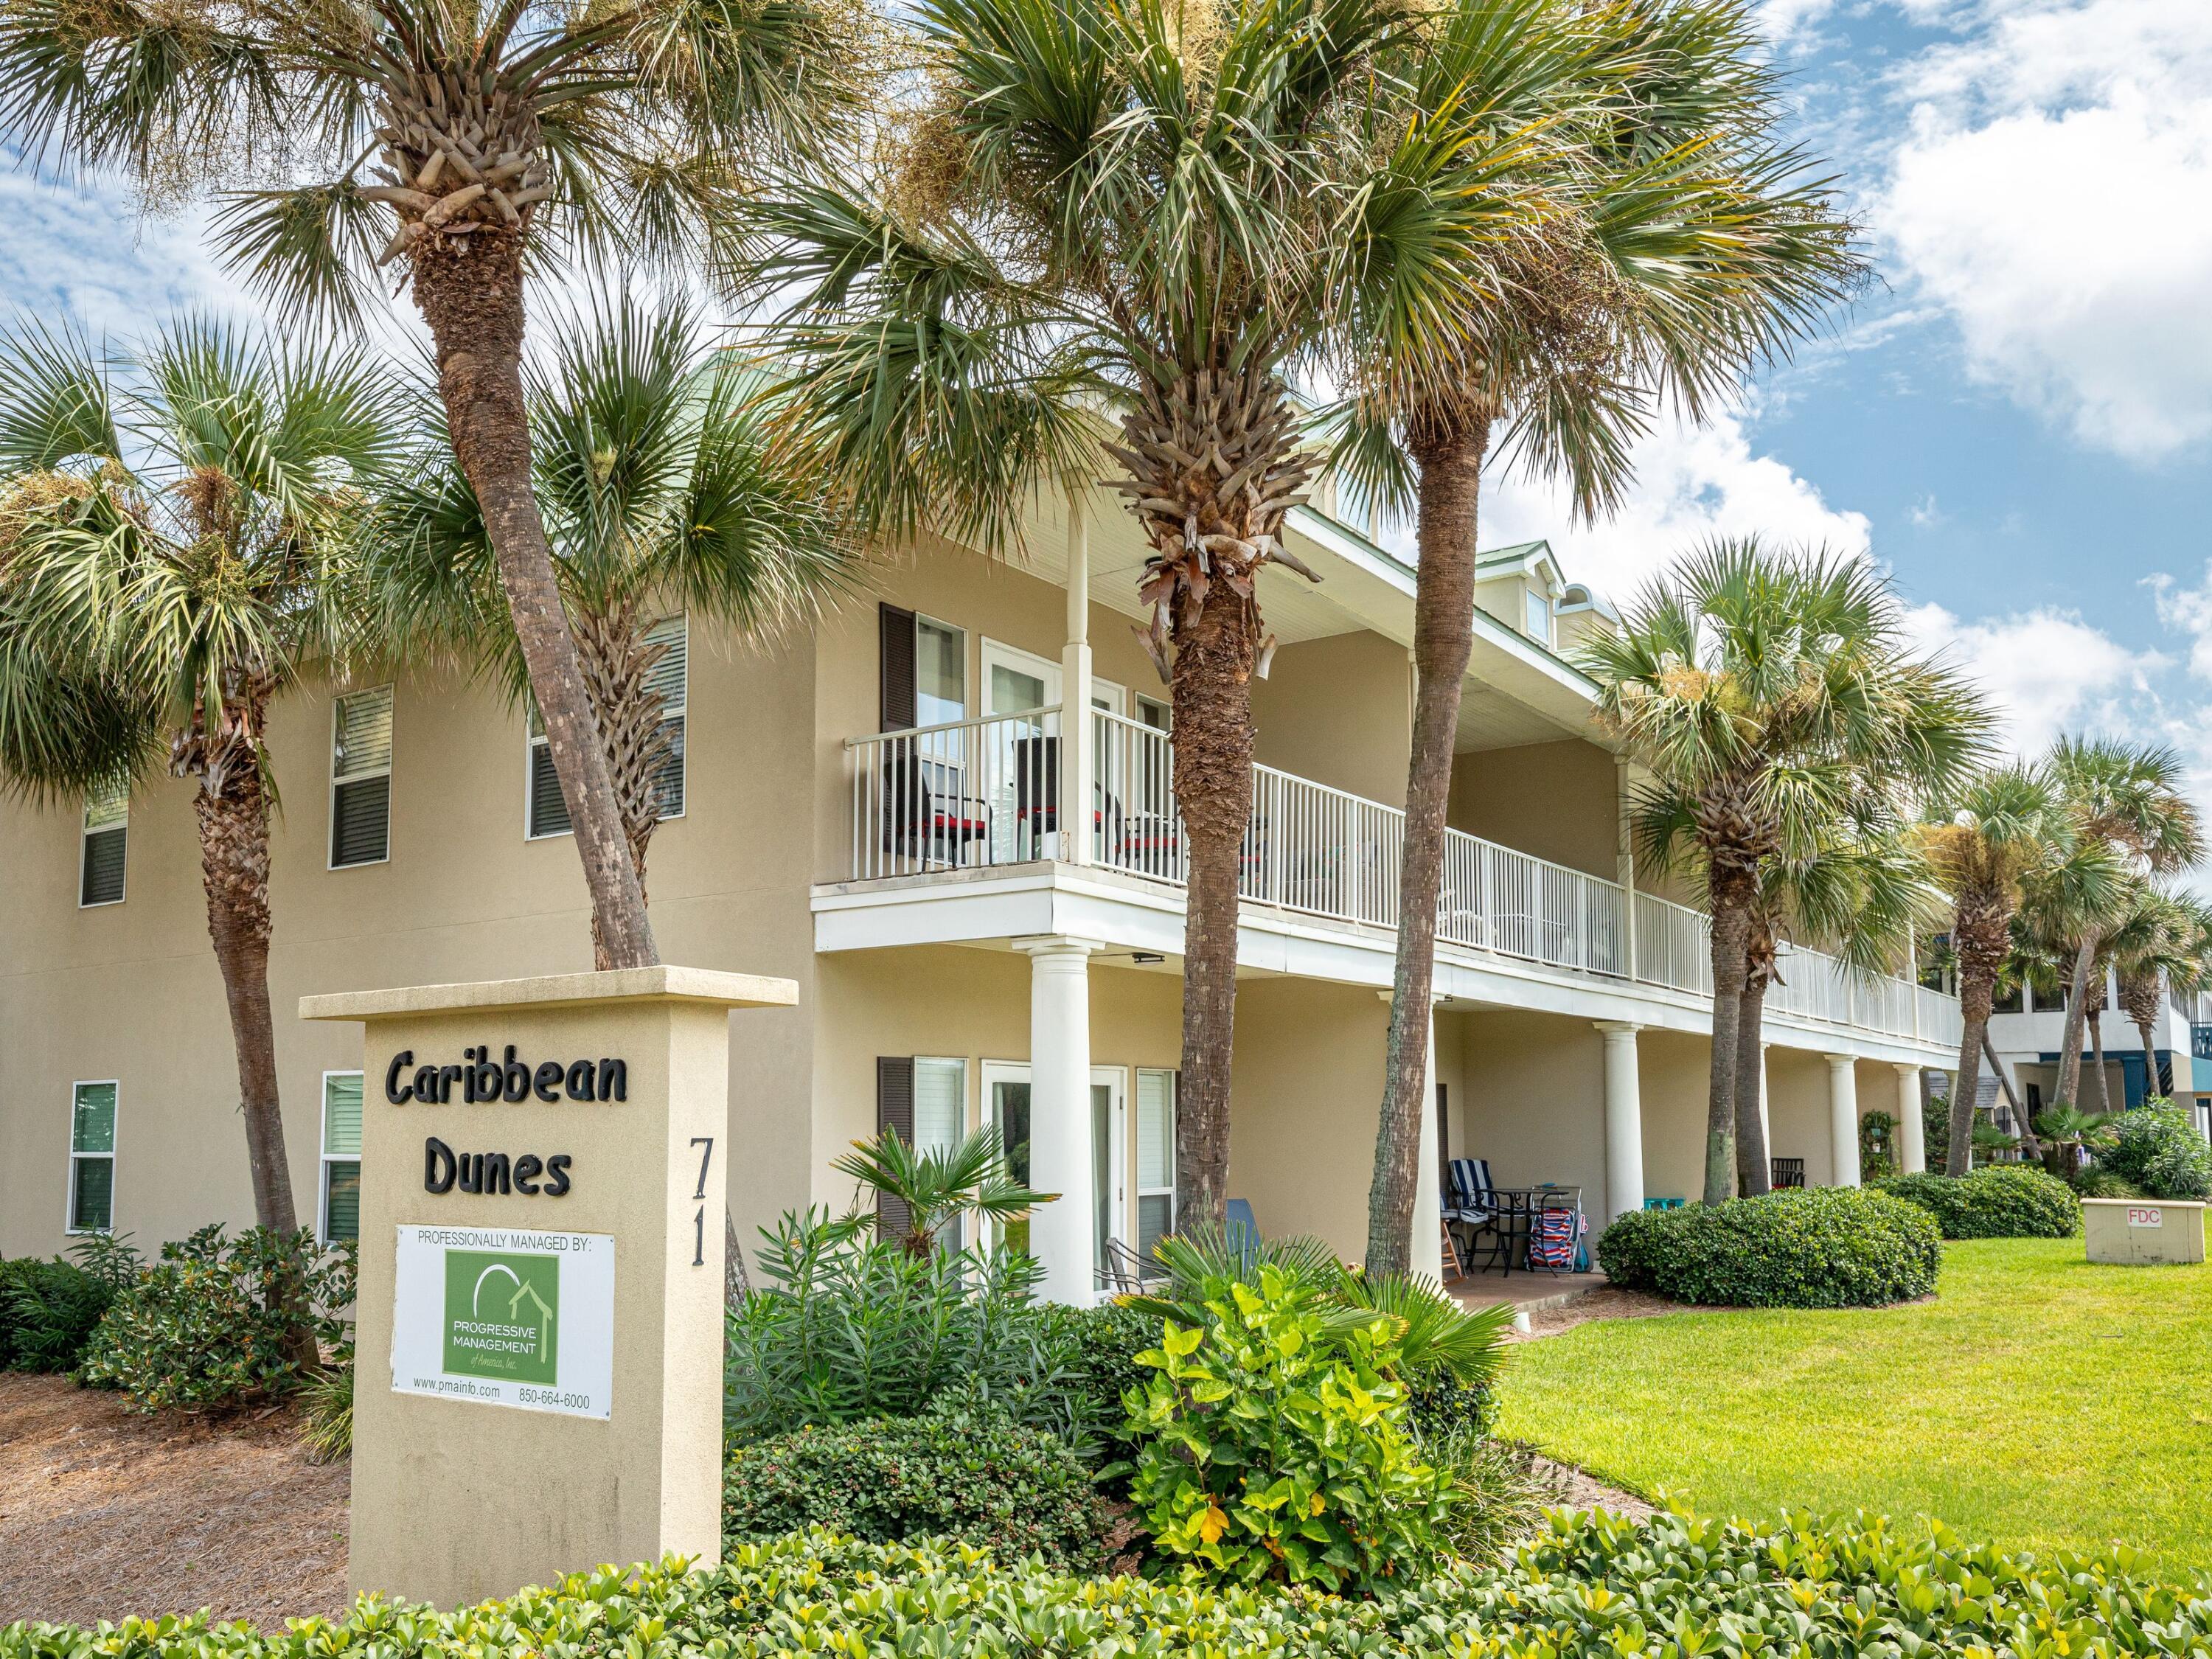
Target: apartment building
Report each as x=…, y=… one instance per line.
x=2027, y=1030
x=947, y=812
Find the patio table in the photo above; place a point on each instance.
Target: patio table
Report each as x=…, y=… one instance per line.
x=1513, y=1213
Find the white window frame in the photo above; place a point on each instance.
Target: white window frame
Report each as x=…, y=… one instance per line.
x=532, y=741
x=1536, y=596
x=1028, y=662
x=680, y=710
x=70, y=1228
x=1121, y=1211
x=1143, y=702
x=993, y=1071
x=1138, y=1192
x=85, y=833
x=331, y=841
x=323, y=1164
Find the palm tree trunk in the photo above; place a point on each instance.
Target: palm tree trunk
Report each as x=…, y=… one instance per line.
x=1213, y=714
x=2012, y=1098
x=233, y=809
x=1444, y=637
x=469, y=293
x=1755, y=1169
x=618, y=665
x=2069, y=1047
x=2151, y=1082
x=1730, y=892
x=2097, y=1043
x=1976, y=991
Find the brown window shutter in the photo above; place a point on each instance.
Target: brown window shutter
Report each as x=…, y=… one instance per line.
x=896, y=703
x=894, y=1110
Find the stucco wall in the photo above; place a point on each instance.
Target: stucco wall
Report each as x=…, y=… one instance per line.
x=130, y=991
x=1535, y=1099
x=1554, y=799
x=1339, y=711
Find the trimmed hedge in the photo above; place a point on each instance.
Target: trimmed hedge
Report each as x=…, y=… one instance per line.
x=1594, y=1586
x=1822, y=1246
x=960, y=1471
x=2010, y=1201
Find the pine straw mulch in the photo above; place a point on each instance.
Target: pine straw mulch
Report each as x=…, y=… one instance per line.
x=104, y=1513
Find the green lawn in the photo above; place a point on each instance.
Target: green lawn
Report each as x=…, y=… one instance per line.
x=2037, y=1402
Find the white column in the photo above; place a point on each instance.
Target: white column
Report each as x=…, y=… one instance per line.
x=1766, y=1107
x=1623, y=1120
x=1078, y=761
x=1911, y=1135
x=1844, y=1119
x=1424, y=1251
x=1062, y=1233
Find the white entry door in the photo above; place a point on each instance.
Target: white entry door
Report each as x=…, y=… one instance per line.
x=1023, y=767
x=1109, y=1134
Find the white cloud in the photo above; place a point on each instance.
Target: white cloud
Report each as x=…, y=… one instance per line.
x=2187, y=611
x=1691, y=483
x=2053, y=194
x=2046, y=670
x=86, y=256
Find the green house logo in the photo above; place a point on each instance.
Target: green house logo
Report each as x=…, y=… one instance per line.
x=502, y=1316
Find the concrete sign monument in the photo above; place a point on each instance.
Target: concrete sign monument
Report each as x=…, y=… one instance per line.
x=540, y=1304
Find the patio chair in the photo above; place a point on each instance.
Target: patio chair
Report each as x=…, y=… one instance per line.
x=1037, y=799
x=1556, y=1229
x=1126, y=1274
x=928, y=812
x=1787, y=1171
x=1468, y=1204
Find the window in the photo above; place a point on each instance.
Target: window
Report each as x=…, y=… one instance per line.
x=341, y=1155
x=546, y=812
x=92, y=1157
x=361, y=779
x=546, y=808
x=923, y=666
x=1540, y=616
x=1152, y=712
x=669, y=679
x=106, y=828
x=1156, y=1106
x=2008, y=1002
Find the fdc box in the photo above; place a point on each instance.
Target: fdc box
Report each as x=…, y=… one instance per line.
x=2143, y=1230
x=538, y=1379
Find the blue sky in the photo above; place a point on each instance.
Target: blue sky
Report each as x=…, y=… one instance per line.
x=2016, y=420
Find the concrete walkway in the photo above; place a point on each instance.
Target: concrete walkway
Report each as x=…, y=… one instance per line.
x=1528, y=1293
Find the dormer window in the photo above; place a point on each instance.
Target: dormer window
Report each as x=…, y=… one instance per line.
x=1540, y=616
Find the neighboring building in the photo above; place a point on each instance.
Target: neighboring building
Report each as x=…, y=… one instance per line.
x=878, y=812
x=2028, y=1031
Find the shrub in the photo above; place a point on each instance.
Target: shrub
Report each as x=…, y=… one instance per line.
x=1273, y=1447
x=218, y=1321
x=2159, y=1150
x=1098, y=1348
x=1593, y=1586
x=2095, y=1180
x=2014, y=1200
x=961, y=1471
x=1826, y=1247
x=847, y=1327
x=48, y=1309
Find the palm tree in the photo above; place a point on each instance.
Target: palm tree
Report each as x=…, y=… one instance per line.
x=2164, y=943
x=918, y=1194
x=661, y=484
x=1861, y=893
x=2006, y=828
x=2129, y=799
x=1154, y=212
x=503, y=136
x=1769, y=697
x=179, y=544
x=1682, y=246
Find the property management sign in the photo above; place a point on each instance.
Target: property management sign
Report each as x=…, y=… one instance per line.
x=507, y=1317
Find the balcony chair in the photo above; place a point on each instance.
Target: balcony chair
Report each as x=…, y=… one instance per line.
x=928, y=811
x=1243, y=1231
x=1037, y=799
x=1786, y=1172
x=1124, y=1272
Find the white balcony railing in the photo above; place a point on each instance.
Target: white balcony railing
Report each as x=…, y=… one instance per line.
x=984, y=792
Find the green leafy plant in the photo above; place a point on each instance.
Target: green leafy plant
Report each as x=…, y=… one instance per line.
x=1274, y=1443
x=1842, y=1247
x=49, y=1309
x=2098, y=1182
x=326, y=1410
x=2157, y=1148
x=1098, y=1347
x=218, y=1321
x=1877, y=1146
x=928, y=1190
x=960, y=1470
x=1499, y=1493
x=845, y=1327
x=2018, y=1200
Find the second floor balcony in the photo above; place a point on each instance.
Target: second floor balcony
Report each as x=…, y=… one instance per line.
x=1007, y=790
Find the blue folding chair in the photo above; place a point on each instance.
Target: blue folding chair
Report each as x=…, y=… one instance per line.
x=1243, y=1231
